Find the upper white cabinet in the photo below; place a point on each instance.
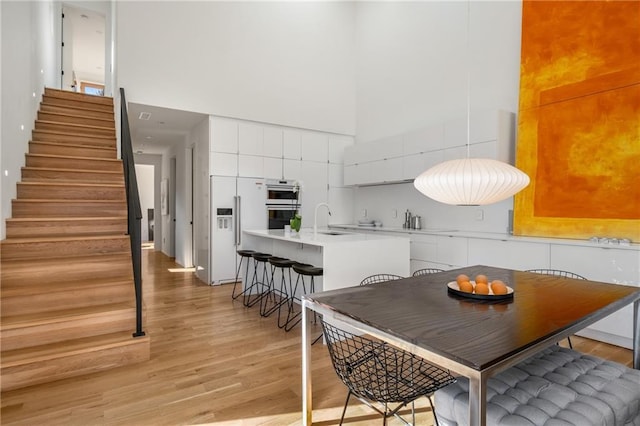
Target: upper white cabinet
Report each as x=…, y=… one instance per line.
x=250, y=139
x=224, y=135
x=273, y=141
x=315, y=147
x=491, y=135
x=291, y=144
x=337, y=146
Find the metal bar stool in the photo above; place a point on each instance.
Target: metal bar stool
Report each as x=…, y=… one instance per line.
x=244, y=256
x=258, y=259
x=273, y=293
x=303, y=270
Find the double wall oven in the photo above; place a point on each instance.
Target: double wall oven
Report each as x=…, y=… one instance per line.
x=282, y=202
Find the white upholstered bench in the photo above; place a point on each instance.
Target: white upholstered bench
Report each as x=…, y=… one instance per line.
x=556, y=387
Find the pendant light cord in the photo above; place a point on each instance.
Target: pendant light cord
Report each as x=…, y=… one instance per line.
x=468, y=79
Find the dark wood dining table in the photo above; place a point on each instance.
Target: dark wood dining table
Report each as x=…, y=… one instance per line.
x=472, y=338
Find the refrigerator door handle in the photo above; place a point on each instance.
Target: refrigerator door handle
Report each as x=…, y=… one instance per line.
x=238, y=222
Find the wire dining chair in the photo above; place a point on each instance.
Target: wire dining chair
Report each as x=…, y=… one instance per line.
x=378, y=373
x=426, y=271
x=558, y=273
x=380, y=278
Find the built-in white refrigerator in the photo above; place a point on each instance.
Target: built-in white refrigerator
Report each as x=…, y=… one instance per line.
x=237, y=203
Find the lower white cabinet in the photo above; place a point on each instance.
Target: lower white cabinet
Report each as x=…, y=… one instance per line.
x=508, y=254
x=452, y=251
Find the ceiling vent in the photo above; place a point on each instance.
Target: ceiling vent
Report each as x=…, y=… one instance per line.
x=144, y=116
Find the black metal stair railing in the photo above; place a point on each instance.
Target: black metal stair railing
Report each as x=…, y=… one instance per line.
x=134, y=211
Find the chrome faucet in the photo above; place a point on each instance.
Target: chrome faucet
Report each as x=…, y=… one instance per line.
x=315, y=217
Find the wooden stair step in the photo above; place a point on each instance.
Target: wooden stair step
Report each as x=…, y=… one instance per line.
x=46, y=363
x=26, y=272
x=87, y=110
x=83, y=163
x=42, y=297
x=75, y=129
x=74, y=103
x=50, y=247
x=22, y=208
x=63, y=137
x=70, y=191
x=46, y=174
x=77, y=96
x=56, y=117
x=78, y=226
x=72, y=150
x=42, y=328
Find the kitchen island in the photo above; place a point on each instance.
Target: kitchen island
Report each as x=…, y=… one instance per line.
x=346, y=257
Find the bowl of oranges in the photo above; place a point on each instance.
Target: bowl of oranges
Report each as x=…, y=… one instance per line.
x=480, y=288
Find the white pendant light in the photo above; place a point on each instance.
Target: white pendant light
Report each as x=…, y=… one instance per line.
x=471, y=181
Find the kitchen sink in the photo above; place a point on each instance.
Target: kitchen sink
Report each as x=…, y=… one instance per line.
x=332, y=233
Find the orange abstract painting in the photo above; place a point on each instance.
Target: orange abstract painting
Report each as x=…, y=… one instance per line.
x=579, y=120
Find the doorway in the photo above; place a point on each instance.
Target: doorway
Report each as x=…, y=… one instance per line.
x=83, y=49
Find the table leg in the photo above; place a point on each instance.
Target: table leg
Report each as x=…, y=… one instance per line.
x=306, y=367
x=636, y=334
x=477, y=401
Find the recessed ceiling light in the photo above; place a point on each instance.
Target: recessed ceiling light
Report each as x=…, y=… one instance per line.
x=160, y=122
x=83, y=16
x=144, y=116
x=148, y=137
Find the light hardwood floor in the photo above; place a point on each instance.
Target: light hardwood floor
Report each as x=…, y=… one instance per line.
x=212, y=361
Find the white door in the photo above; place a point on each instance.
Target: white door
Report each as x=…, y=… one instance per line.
x=223, y=235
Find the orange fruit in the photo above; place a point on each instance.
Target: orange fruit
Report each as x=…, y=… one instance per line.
x=482, y=279
x=466, y=286
x=498, y=287
x=461, y=278
x=481, y=288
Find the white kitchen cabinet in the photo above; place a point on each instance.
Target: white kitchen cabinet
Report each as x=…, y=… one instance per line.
x=224, y=135
x=314, y=191
x=350, y=174
x=336, y=175
x=292, y=169
x=452, y=251
x=273, y=168
x=291, y=140
x=250, y=139
x=340, y=201
x=424, y=247
x=223, y=164
x=272, y=141
x=337, y=146
x=508, y=254
x=250, y=166
x=414, y=165
x=606, y=264
x=315, y=147
x=491, y=136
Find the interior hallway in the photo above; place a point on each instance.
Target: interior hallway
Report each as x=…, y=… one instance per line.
x=212, y=361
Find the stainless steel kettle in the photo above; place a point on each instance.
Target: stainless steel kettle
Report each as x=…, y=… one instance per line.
x=417, y=222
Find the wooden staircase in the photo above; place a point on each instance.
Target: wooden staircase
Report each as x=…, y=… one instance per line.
x=67, y=293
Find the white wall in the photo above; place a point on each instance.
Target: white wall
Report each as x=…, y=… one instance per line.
x=289, y=63
x=412, y=63
x=200, y=139
x=145, y=178
x=29, y=64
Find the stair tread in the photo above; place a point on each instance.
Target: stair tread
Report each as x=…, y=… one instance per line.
x=66, y=114
x=22, y=290
x=74, y=125
x=69, y=94
x=72, y=184
x=87, y=106
x=53, y=350
x=63, y=219
x=22, y=240
x=54, y=132
x=29, y=320
x=112, y=172
x=73, y=145
x=71, y=157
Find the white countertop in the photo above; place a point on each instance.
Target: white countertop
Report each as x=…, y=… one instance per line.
x=485, y=235
x=323, y=238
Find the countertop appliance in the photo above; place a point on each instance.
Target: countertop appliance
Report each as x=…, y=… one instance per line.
x=236, y=204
